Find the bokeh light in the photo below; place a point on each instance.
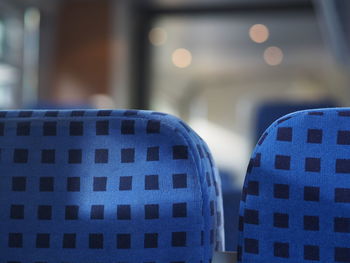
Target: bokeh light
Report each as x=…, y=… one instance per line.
x=182, y=58
x=273, y=56
x=259, y=33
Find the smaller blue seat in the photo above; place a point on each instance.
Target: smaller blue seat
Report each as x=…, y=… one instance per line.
x=296, y=197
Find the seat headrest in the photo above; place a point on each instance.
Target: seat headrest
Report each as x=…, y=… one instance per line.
x=106, y=186
x=296, y=197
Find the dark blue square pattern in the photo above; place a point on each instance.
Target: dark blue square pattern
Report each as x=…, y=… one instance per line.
x=128, y=127
x=71, y=212
x=281, y=250
x=15, y=240
x=281, y=191
x=76, y=128
x=75, y=156
x=179, y=239
x=342, y=254
x=17, y=212
x=253, y=188
x=100, y=184
x=124, y=212
x=295, y=201
x=97, y=212
x=101, y=156
x=45, y=212
x=128, y=155
x=342, y=195
x=77, y=113
x=48, y=156
x=153, y=126
x=49, y=128
x=342, y=224
x=180, y=152
x=179, y=181
x=25, y=114
x=251, y=217
x=343, y=137
x=285, y=134
x=102, y=128
x=123, y=241
x=19, y=183
x=311, y=223
x=113, y=186
x=46, y=184
x=180, y=210
x=125, y=183
x=280, y=220
x=343, y=166
x=311, y=193
x=153, y=154
x=311, y=252
x=43, y=240
x=69, y=241
x=282, y=162
x=251, y=246
x=104, y=113
x=2, y=129
x=51, y=114
x=20, y=156
x=96, y=241
x=151, y=240
x=23, y=128
x=73, y=184
x=152, y=211
x=314, y=136
x=151, y=182
x=312, y=164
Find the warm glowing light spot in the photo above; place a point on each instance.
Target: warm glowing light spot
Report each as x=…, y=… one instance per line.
x=259, y=33
x=182, y=58
x=158, y=36
x=273, y=56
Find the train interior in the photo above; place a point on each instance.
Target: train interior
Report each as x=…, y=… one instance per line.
x=228, y=69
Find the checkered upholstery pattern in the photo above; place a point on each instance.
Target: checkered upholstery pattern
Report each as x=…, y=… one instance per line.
x=296, y=197
x=103, y=186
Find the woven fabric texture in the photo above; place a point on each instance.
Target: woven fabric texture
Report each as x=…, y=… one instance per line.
x=296, y=197
x=106, y=186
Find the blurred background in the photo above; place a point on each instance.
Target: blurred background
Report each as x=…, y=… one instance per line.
x=227, y=67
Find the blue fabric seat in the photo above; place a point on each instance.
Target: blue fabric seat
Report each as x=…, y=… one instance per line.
x=103, y=186
x=296, y=197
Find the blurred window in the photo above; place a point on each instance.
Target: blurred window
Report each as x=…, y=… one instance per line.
x=215, y=71
x=10, y=52
x=18, y=54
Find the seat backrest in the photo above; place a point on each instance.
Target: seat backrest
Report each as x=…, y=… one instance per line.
x=103, y=186
x=296, y=201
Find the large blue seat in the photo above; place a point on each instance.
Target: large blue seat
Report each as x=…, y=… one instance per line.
x=296, y=200
x=106, y=187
